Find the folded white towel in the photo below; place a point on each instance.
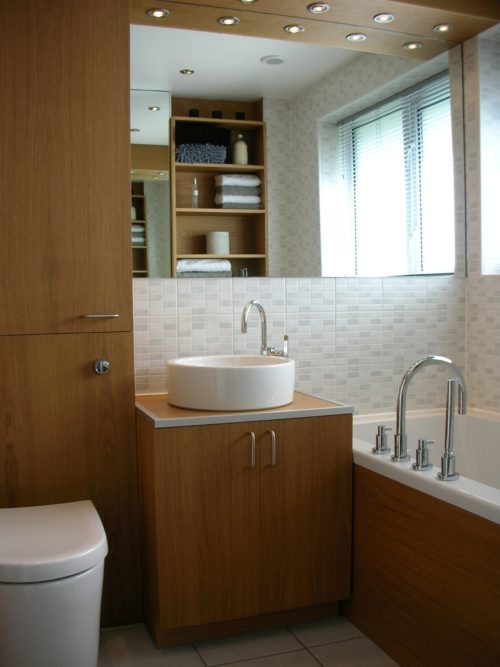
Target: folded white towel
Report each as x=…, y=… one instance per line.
x=205, y=265
x=237, y=179
x=236, y=199
x=138, y=228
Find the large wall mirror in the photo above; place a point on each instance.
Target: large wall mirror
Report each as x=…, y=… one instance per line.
x=301, y=88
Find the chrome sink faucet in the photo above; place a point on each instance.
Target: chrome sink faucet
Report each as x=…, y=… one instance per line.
x=400, y=437
x=264, y=349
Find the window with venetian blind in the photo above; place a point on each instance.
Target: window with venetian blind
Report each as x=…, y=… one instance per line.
x=394, y=201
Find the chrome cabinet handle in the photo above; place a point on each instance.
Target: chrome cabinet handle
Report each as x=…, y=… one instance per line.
x=102, y=366
x=101, y=316
x=273, y=447
x=253, y=450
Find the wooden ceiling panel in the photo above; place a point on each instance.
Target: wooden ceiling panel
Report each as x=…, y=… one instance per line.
x=414, y=21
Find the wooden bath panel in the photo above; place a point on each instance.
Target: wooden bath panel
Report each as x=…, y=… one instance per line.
x=426, y=576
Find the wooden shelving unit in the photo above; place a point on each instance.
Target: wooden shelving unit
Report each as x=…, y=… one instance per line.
x=139, y=251
x=247, y=227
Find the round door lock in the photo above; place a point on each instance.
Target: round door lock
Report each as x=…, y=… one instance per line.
x=102, y=366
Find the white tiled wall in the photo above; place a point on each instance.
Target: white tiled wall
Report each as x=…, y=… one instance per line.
x=351, y=339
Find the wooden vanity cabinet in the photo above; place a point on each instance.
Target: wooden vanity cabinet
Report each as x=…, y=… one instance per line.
x=226, y=543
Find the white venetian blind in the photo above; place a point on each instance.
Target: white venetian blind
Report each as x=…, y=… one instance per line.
x=397, y=176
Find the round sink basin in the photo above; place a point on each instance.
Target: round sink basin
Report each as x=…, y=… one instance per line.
x=230, y=382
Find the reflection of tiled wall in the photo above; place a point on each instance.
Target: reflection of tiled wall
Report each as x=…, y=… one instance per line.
x=352, y=339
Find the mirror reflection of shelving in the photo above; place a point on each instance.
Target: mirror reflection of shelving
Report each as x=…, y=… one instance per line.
x=139, y=230
x=246, y=227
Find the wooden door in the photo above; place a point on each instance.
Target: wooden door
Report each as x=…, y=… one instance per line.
x=67, y=434
x=305, y=512
x=206, y=522
x=64, y=160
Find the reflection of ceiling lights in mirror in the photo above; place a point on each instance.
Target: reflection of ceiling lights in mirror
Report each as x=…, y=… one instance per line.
x=154, y=127
x=356, y=37
x=272, y=60
x=412, y=46
x=384, y=18
x=294, y=28
x=318, y=8
x=158, y=13
x=228, y=20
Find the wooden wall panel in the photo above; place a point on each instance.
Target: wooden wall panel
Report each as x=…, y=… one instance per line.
x=67, y=434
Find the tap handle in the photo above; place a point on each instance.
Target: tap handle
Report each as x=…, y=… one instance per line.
x=422, y=455
x=381, y=440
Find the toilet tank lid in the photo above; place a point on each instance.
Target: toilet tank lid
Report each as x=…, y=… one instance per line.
x=50, y=541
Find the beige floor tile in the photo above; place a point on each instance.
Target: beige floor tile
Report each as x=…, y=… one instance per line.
x=131, y=646
x=325, y=631
x=294, y=659
x=243, y=647
x=359, y=652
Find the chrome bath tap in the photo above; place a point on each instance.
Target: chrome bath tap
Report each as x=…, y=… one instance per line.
x=400, y=437
x=264, y=349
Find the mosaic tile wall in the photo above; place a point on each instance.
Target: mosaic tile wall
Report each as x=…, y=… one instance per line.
x=352, y=339
x=482, y=58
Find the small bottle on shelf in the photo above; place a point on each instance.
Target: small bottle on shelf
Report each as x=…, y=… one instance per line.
x=194, y=196
x=240, y=151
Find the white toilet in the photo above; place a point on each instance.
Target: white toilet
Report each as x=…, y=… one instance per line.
x=51, y=571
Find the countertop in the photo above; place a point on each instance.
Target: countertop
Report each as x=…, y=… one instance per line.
x=156, y=409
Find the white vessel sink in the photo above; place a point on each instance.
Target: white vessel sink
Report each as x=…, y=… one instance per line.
x=230, y=382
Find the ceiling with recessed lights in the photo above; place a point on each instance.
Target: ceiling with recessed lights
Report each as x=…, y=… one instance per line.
x=435, y=25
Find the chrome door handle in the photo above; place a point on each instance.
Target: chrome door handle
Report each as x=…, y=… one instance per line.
x=273, y=447
x=101, y=316
x=253, y=450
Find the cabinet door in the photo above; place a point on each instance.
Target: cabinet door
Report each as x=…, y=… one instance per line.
x=67, y=433
x=305, y=512
x=64, y=160
x=206, y=525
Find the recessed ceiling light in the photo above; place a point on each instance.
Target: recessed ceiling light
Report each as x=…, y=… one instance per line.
x=318, y=8
x=443, y=27
x=134, y=129
x=153, y=108
x=384, y=18
x=228, y=20
x=356, y=37
x=158, y=13
x=247, y=2
x=294, y=28
x=187, y=71
x=272, y=60
x=412, y=46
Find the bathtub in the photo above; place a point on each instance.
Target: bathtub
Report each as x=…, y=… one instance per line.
x=476, y=448
x=426, y=553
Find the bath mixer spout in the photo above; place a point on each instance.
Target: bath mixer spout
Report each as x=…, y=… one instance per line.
x=400, y=437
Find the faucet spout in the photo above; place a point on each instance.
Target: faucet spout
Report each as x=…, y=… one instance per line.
x=263, y=322
x=400, y=438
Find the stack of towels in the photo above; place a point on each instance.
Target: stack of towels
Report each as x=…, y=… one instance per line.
x=203, y=268
x=138, y=235
x=237, y=191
